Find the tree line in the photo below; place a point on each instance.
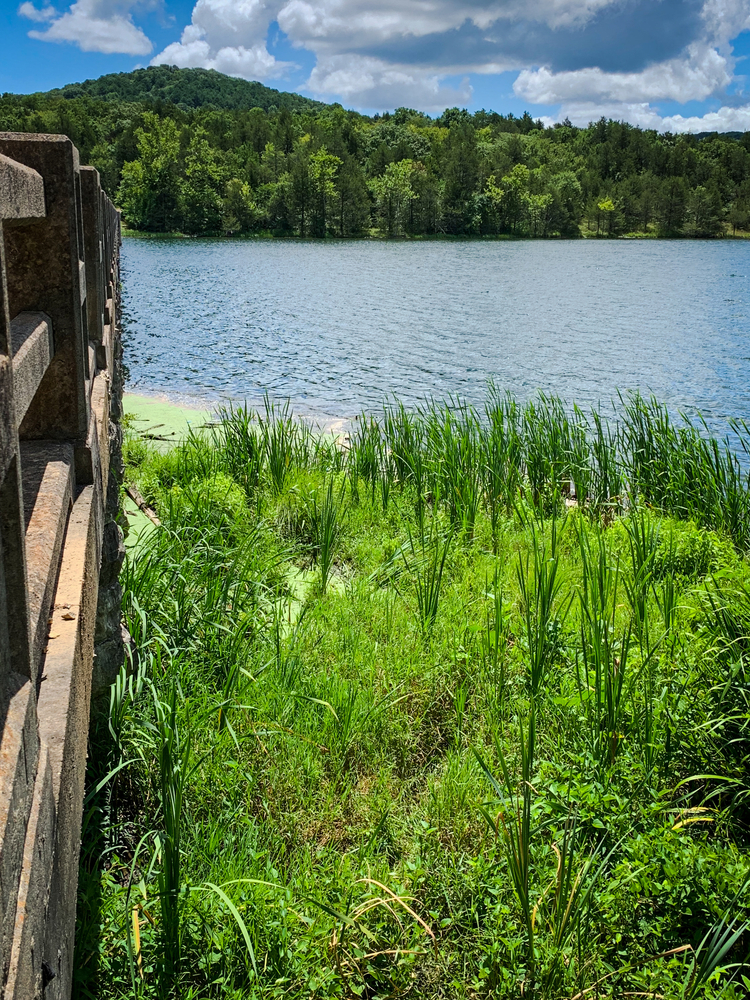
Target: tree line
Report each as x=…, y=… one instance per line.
x=324, y=171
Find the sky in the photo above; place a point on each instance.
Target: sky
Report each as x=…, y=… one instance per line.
x=677, y=65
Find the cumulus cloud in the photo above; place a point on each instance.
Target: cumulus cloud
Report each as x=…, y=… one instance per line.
x=28, y=10
x=725, y=119
x=229, y=36
x=583, y=58
x=581, y=53
x=374, y=83
x=693, y=78
x=725, y=19
x=377, y=54
x=92, y=25
x=356, y=24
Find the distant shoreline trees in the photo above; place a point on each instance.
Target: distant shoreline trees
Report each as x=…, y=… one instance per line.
x=319, y=170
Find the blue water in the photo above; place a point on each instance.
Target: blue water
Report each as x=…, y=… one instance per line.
x=337, y=327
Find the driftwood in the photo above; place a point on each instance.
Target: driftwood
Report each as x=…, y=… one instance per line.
x=135, y=496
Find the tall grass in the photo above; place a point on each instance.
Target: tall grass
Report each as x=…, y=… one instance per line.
x=605, y=648
x=643, y=542
x=495, y=639
x=326, y=518
x=543, y=603
x=284, y=787
x=542, y=447
x=513, y=824
x=173, y=764
x=425, y=562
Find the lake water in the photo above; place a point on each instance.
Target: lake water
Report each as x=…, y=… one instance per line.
x=337, y=327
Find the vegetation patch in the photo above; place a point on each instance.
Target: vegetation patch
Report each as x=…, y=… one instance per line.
x=455, y=707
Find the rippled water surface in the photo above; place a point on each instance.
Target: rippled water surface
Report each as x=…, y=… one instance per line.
x=339, y=326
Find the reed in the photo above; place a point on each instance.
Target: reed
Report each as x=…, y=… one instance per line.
x=500, y=445
x=425, y=563
x=643, y=543
x=279, y=434
x=454, y=461
x=238, y=440
x=544, y=605
x=173, y=765
x=495, y=639
x=406, y=436
x=512, y=823
x=326, y=519
x=605, y=649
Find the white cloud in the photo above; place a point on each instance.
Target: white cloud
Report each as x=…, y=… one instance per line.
x=358, y=46
x=92, y=25
x=254, y=63
x=350, y=23
x=373, y=83
x=725, y=119
x=28, y=10
x=392, y=52
x=229, y=36
x=725, y=19
x=582, y=112
x=703, y=72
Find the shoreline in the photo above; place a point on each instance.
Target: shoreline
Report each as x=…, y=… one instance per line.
x=433, y=237
x=175, y=415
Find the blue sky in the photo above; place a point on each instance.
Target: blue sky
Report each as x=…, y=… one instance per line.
x=665, y=64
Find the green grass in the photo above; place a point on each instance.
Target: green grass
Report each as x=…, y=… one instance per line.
x=418, y=717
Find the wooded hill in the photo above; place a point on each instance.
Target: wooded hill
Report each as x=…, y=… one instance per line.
x=188, y=89
x=197, y=152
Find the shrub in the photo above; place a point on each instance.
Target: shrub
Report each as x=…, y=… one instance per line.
x=688, y=551
x=216, y=501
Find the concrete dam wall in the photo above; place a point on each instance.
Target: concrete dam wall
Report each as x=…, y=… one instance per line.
x=60, y=543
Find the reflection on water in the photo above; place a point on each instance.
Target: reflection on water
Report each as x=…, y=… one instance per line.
x=339, y=326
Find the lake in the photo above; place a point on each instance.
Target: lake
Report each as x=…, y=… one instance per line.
x=339, y=326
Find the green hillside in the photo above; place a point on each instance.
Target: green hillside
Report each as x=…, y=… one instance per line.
x=187, y=88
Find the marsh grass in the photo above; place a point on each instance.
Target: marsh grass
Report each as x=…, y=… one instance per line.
x=425, y=564
x=543, y=603
x=504, y=756
x=326, y=521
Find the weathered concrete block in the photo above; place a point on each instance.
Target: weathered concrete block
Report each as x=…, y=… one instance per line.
x=113, y=554
x=8, y=436
x=19, y=755
x=96, y=277
x=12, y=539
x=21, y=192
x=108, y=659
x=31, y=334
x=25, y=973
x=63, y=710
x=48, y=492
x=44, y=263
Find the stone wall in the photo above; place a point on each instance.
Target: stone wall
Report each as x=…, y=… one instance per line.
x=60, y=543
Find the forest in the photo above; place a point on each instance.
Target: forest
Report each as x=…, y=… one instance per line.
x=195, y=152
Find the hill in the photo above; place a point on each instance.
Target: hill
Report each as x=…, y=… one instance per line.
x=187, y=88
